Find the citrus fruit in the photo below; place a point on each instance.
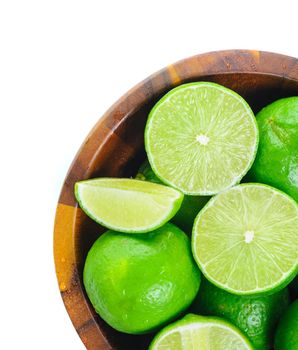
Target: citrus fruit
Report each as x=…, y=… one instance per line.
x=276, y=162
x=188, y=211
x=128, y=205
x=190, y=206
x=255, y=316
x=201, y=138
x=200, y=333
x=294, y=288
x=286, y=337
x=245, y=240
x=138, y=282
x=146, y=173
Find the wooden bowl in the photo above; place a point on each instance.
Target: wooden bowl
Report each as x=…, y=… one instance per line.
x=115, y=147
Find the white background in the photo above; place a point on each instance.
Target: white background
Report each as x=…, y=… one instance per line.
x=62, y=64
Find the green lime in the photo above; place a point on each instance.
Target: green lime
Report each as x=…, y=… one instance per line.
x=190, y=206
x=137, y=283
x=201, y=138
x=146, y=173
x=255, y=316
x=128, y=205
x=188, y=211
x=195, y=332
x=294, y=288
x=245, y=240
x=286, y=337
x=276, y=162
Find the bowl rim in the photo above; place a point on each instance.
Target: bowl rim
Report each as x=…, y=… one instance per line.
x=81, y=314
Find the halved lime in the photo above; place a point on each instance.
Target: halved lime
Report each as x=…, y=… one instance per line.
x=245, y=240
x=201, y=138
x=200, y=333
x=128, y=205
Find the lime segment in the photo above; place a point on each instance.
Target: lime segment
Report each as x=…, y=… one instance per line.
x=245, y=240
x=201, y=138
x=200, y=333
x=128, y=205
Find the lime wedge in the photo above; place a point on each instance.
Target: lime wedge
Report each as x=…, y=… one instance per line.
x=128, y=205
x=200, y=333
x=201, y=138
x=245, y=240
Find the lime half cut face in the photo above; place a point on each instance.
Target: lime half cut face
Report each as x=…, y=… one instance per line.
x=128, y=205
x=200, y=333
x=201, y=138
x=245, y=240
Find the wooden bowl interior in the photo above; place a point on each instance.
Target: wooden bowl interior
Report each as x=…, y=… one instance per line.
x=123, y=157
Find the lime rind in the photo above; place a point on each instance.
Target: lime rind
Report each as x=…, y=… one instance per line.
x=270, y=289
x=192, y=323
x=252, y=151
x=278, y=126
x=162, y=213
x=286, y=333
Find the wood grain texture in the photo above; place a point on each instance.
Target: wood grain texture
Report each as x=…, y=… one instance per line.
x=115, y=147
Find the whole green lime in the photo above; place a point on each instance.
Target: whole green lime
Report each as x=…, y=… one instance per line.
x=286, y=337
x=256, y=316
x=137, y=283
x=190, y=206
x=276, y=163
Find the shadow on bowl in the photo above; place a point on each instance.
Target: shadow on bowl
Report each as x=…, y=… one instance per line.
x=115, y=148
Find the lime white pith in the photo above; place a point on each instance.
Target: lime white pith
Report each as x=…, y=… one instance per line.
x=245, y=239
x=128, y=205
x=201, y=138
x=200, y=333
